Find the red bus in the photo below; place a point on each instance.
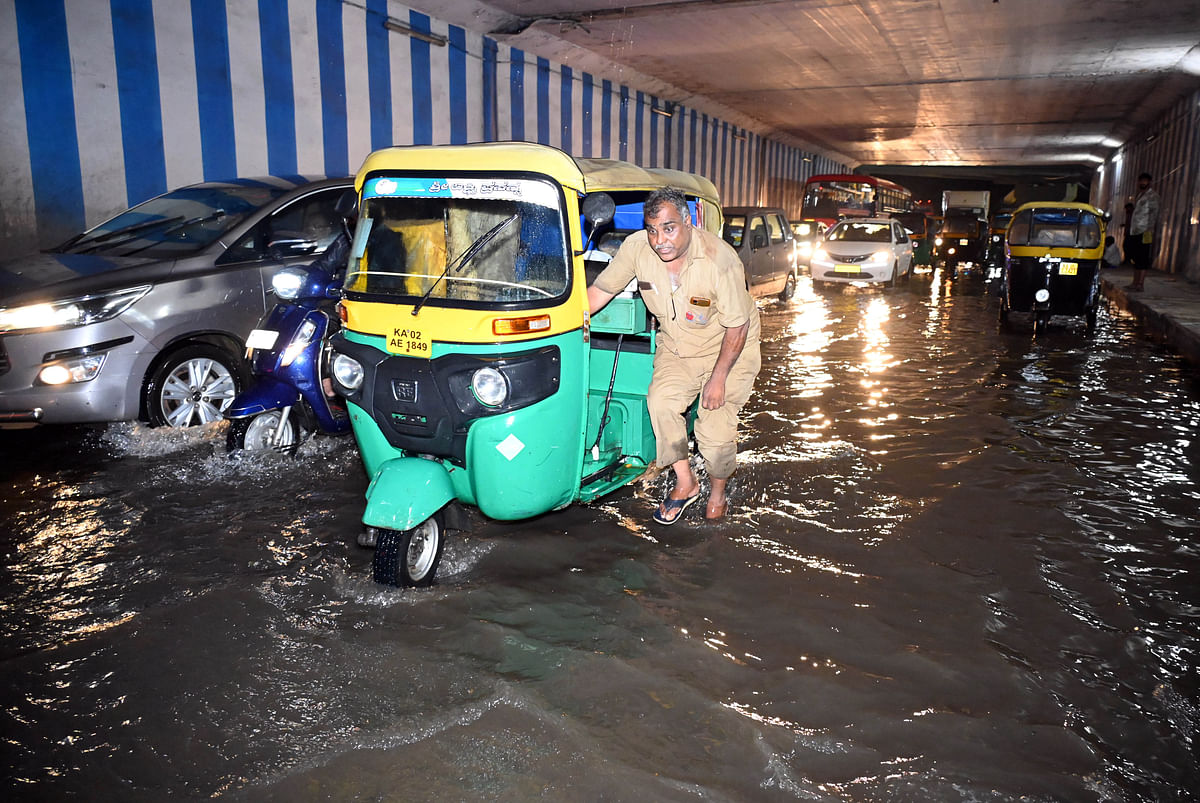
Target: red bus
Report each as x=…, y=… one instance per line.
x=831, y=197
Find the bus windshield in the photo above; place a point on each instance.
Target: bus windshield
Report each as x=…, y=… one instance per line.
x=460, y=242
x=838, y=199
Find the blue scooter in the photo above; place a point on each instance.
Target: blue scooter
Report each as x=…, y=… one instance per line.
x=288, y=399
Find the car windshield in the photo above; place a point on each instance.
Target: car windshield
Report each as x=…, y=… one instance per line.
x=1071, y=228
x=181, y=222
x=735, y=229
x=806, y=230
x=459, y=242
x=861, y=233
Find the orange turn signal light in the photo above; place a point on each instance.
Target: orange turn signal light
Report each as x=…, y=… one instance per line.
x=521, y=326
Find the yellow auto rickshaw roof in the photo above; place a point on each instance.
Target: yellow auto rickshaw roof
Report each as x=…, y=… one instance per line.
x=581, y=175
x=615, y=175
x=1058, y=205
x=481, y=156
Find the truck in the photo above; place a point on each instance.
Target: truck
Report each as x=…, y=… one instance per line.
x=963, y=236
x=963, y=200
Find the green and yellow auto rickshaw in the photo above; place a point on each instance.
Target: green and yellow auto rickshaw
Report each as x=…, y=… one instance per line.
x=471, y=370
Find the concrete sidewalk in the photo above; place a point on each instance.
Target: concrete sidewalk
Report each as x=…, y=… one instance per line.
x=1168, y=310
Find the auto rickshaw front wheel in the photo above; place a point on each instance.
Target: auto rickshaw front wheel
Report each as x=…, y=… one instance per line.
x=1040, y=321
x=409, y=558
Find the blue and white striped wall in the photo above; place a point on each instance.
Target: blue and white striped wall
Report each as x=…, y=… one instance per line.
x=108, y=102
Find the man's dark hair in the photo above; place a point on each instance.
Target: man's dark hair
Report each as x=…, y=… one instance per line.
x=666, y=195
x=1146, y=176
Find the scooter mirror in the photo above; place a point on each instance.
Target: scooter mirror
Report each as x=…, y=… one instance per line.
x=347, y=204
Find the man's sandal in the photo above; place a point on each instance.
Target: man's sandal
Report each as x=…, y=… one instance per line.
x=669, y=505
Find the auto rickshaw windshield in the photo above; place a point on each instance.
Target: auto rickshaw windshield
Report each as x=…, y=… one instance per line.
x=460, y=241
x=1069, y=228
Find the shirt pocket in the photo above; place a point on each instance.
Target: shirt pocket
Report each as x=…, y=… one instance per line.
x=699, y=311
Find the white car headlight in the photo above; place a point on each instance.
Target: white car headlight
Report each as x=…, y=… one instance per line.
x=489, y=386
x=68, y=312
x=348, y=372
x=880, y=258
x=78, y=369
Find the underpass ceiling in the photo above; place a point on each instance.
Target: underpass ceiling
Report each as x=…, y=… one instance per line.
x=1053, y=85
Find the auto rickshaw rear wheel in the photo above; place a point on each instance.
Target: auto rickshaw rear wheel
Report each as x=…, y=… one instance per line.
x=409, y=558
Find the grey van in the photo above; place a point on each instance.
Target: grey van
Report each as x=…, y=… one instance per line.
x=145, y=316
x=764, y=240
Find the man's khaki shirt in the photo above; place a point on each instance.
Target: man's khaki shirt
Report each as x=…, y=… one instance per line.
x=711, y=296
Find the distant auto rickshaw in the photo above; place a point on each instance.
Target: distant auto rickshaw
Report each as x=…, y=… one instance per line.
x=995, y=255
x=919, y=227
x=961, y=239
x=1053, y=252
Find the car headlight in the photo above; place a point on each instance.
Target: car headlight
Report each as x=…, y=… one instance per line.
x=819, y=255
x=880, y=258
x=79, y=311
x=348, y=372
x=287, y=282
x=489, y=386
x=78, y=369
x=806, y=249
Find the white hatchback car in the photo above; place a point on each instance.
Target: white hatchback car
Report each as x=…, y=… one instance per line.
x=863, y=250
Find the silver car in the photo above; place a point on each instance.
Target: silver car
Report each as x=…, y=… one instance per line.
x=144, y=316
x=863, y=250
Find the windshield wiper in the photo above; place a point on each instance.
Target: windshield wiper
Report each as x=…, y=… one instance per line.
x=97, y=241
x=466, y=257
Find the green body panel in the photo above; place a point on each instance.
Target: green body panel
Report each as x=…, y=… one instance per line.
x=532, y=460
x=922, y=251
x=405, y=491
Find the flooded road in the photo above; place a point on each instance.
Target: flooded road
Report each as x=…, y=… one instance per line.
x=960, y=565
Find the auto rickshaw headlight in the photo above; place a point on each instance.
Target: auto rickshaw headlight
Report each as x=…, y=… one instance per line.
x=489, y=386
x=1042, y=296
x=937, y=240
x=347, y=371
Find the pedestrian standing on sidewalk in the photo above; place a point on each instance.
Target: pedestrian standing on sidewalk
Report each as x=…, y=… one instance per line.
x=1141, y=230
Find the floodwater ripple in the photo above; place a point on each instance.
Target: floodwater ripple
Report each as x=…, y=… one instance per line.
x=957, y=566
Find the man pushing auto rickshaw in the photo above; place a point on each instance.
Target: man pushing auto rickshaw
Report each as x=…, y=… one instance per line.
x=693, y=282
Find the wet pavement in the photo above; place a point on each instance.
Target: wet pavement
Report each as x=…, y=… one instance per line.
x=959, y=566
x=1167, y=309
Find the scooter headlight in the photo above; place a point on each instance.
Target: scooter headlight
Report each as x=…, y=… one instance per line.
x=348, y=372
x=287, y=282
x=489, y=386
x=1042, y=296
